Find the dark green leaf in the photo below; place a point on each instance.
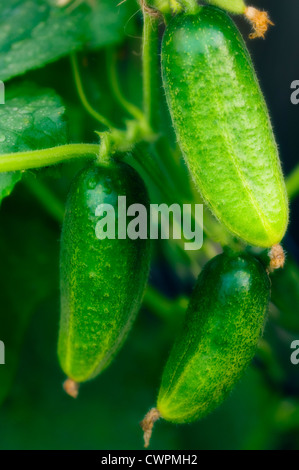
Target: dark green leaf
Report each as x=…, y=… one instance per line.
x=7, y=183
x=36, y=32
x=31, y=119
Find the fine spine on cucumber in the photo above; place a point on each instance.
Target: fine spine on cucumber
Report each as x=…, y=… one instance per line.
x=102, y=280
x=222, y=125
x=223, y=324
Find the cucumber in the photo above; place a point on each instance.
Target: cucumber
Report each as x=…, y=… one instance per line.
x=222, y=125
x=102, y=280
x=223, y=324
x=224, y=321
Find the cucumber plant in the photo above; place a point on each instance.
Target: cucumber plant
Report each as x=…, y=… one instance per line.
x=120, y=142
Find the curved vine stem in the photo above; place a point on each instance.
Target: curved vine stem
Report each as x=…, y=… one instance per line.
x=51, y=156
x=150, y=65
x=79, y=86
x=115, y=87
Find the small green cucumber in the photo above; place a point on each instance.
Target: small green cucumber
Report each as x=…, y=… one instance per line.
x=222, y=125
x=223, y=324
x=102, y=280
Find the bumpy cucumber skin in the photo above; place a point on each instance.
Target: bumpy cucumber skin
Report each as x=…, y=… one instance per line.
x=224, y=322
x=102, y=281
x=223, y=127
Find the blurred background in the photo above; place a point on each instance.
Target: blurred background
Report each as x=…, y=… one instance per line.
x=263, y=410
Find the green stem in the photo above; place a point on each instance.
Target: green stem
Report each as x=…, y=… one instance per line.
x=150, y=65
x=115, y=87
x=191, y=6
x=233, y=6
x=46, y=197
x=161, y=5
x=175, y=6
x=165, y=7
x=292, y=183
x=79, y=85
x=45, y=157
x=122, y=141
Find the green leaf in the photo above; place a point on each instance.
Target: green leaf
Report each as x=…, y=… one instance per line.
x=8, y=182
x=36, y=32
x=31, y=119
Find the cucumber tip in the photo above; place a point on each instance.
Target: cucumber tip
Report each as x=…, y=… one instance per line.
x=259, y=20
x=277, y=257
x=71, y=388
x=147, y=424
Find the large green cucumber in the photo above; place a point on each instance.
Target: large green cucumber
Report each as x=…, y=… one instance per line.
x=222, y=125
x=102, y=280
x=223, y=324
